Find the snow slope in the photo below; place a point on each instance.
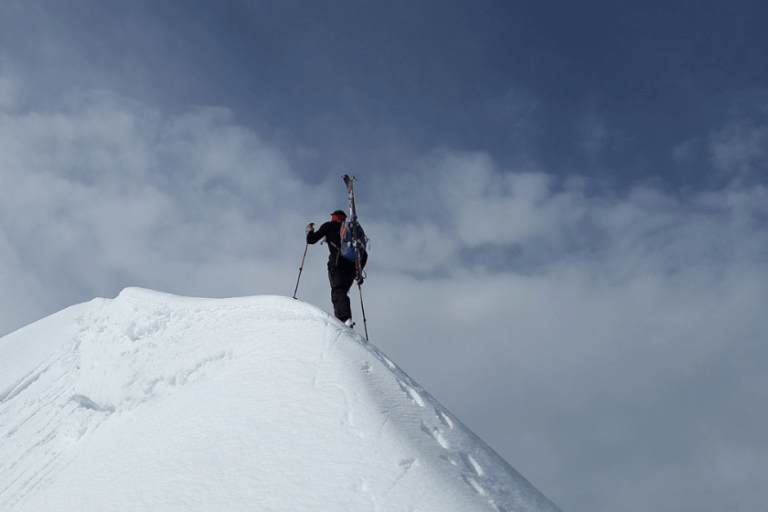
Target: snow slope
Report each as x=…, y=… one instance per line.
x=156, y=402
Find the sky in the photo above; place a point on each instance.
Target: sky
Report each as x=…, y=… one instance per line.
x=566, y=203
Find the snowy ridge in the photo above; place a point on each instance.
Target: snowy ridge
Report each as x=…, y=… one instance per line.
x=156, y=402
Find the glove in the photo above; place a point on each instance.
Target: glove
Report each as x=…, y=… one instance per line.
x=310, y=227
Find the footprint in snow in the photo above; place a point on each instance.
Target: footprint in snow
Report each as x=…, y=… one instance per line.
x=472, y=464
x=475, y=485
x=412, y=393
x=388, y=362
x=87, y=403
x=444, y=419
x=436, y=434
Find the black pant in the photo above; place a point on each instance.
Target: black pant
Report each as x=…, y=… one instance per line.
x=341, y=277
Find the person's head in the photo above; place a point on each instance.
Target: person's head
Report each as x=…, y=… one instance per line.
x=339, y=216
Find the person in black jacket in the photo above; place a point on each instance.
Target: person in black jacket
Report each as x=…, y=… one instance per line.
x=341, y=271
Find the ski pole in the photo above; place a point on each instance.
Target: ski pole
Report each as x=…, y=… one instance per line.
x=362, y=308
x=306, y=246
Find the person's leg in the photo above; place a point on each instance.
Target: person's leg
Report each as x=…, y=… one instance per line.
x=340, y=285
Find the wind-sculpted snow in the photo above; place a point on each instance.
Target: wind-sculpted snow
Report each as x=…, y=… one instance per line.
x=157, y=402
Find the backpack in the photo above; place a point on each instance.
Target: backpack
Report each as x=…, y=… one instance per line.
x=348, y=241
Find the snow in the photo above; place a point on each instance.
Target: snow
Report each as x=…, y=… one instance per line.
x=151, y=401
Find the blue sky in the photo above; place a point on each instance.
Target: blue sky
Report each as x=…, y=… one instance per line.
x=567, y=203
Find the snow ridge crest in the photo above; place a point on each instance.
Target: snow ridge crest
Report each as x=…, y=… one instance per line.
x=273, y=398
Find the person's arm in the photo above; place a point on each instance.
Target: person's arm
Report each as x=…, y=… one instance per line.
x=315, y=236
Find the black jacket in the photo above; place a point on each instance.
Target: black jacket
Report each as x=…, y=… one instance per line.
x=331, y=231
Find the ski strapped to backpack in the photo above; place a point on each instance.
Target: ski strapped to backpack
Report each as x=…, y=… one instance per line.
x=353, y=240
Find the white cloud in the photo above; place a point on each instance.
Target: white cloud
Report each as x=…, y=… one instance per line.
x=109, y=192
x=740, y=148
x=489, y=206
x=506, y=213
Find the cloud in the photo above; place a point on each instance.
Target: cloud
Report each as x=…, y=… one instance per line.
x=732, y=151
x=628, y=320
x=740, y=150
x=107, y=191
